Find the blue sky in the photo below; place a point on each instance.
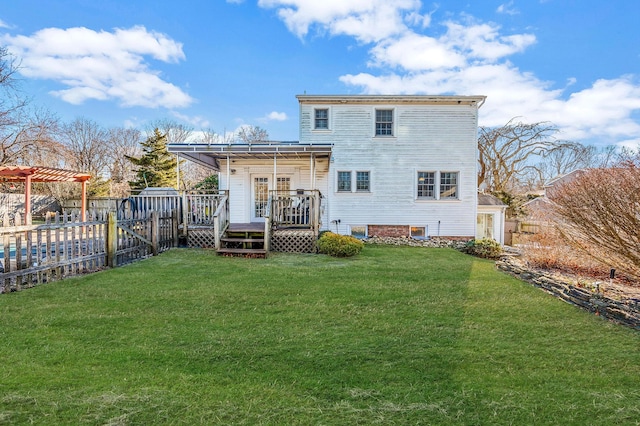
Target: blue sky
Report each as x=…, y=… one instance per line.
x=220, y=64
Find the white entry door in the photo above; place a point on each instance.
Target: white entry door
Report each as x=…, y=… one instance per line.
x=259, y=197
x=260, y=193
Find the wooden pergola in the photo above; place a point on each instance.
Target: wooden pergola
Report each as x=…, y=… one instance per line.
x=30, y=174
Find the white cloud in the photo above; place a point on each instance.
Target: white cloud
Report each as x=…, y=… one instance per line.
x=101, y=65
x=4, y=24
x=197, y=120
x=483, y=41
x=276, y=116
x=415, y=52
x=365, y=20
x=507, y=9
x=409, y=56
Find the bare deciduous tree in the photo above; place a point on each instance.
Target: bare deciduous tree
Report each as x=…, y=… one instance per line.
x=123, y=143
x=599, y=212
x=252, y=134
x=23, y=131
x=176, y=132
x=506, y=153
x=87, y=145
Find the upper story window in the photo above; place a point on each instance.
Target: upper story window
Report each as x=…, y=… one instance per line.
x=321, y=119
x=344, y=181
x=426, y=185
x=448, y=185
x=363, y=182
x=384, y=122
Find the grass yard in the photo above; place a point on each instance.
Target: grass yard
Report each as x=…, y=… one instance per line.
x=397, y=335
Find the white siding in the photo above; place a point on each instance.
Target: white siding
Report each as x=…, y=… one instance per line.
x=426, y=138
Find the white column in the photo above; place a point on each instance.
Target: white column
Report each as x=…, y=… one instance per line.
x=275, y=171
x=178, y=171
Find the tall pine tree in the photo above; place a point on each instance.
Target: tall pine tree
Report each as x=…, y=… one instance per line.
x=156, y=167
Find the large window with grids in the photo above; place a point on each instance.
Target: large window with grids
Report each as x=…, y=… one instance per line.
x=344, y=181
x=434, y=185
x=363, y=182
x=426, y=184
x=448, y=185
x=384, y=122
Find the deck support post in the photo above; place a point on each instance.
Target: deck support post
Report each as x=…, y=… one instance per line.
x=112, y=239
x=155, y=232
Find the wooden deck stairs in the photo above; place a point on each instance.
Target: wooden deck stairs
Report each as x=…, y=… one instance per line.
x=243, y=240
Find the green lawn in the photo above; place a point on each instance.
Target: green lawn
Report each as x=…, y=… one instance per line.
x=397, y=335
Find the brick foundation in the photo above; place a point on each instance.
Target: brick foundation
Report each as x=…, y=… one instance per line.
x=388, y=230
x=404, y=231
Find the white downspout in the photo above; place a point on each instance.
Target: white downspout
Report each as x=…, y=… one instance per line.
x=228, y=175
x=312, y=172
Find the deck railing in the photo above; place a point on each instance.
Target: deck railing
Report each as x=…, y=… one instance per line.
x=200, y=209
x=221, y=219
x=295, y=209
x=141, y=206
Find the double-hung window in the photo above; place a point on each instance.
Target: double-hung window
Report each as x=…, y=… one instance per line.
x=426, y=185
x=384, y=122
x=448, y=185
x=437, y=185
x=344, y=181
x=321, y=119
x=363, y=182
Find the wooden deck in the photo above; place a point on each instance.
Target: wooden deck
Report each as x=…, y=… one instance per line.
x=246, y=227
x=243, y=239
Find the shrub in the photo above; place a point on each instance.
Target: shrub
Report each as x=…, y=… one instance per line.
x=547, y=250
x=339, y=245
x=597, y=213
x=485, y=247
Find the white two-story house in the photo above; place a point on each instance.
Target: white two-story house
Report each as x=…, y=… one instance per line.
x=379, y=165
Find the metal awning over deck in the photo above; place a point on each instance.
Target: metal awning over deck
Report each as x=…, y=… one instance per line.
x=210, y=154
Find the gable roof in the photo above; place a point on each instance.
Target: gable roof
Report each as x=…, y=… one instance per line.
x=490, y=200
x=564, y=178
x=393, y=99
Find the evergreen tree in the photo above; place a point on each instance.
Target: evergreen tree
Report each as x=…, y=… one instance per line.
x=208, y=184
x=97, y=187
x=156, y=167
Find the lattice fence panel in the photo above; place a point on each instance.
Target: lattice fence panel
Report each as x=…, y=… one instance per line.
x=293, y=241
x=201, y=238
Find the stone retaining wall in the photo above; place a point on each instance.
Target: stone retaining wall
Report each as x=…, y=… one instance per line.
x=626, y=312
x=406, y=241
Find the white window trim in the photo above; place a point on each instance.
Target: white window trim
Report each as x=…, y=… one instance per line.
x=394, y=124
x=355, y=182
x=350, y=230
x=337, y=180
x=437, y=177
x=457, y=197
x=435, y=184
x=329, y=120
x=426, y=232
